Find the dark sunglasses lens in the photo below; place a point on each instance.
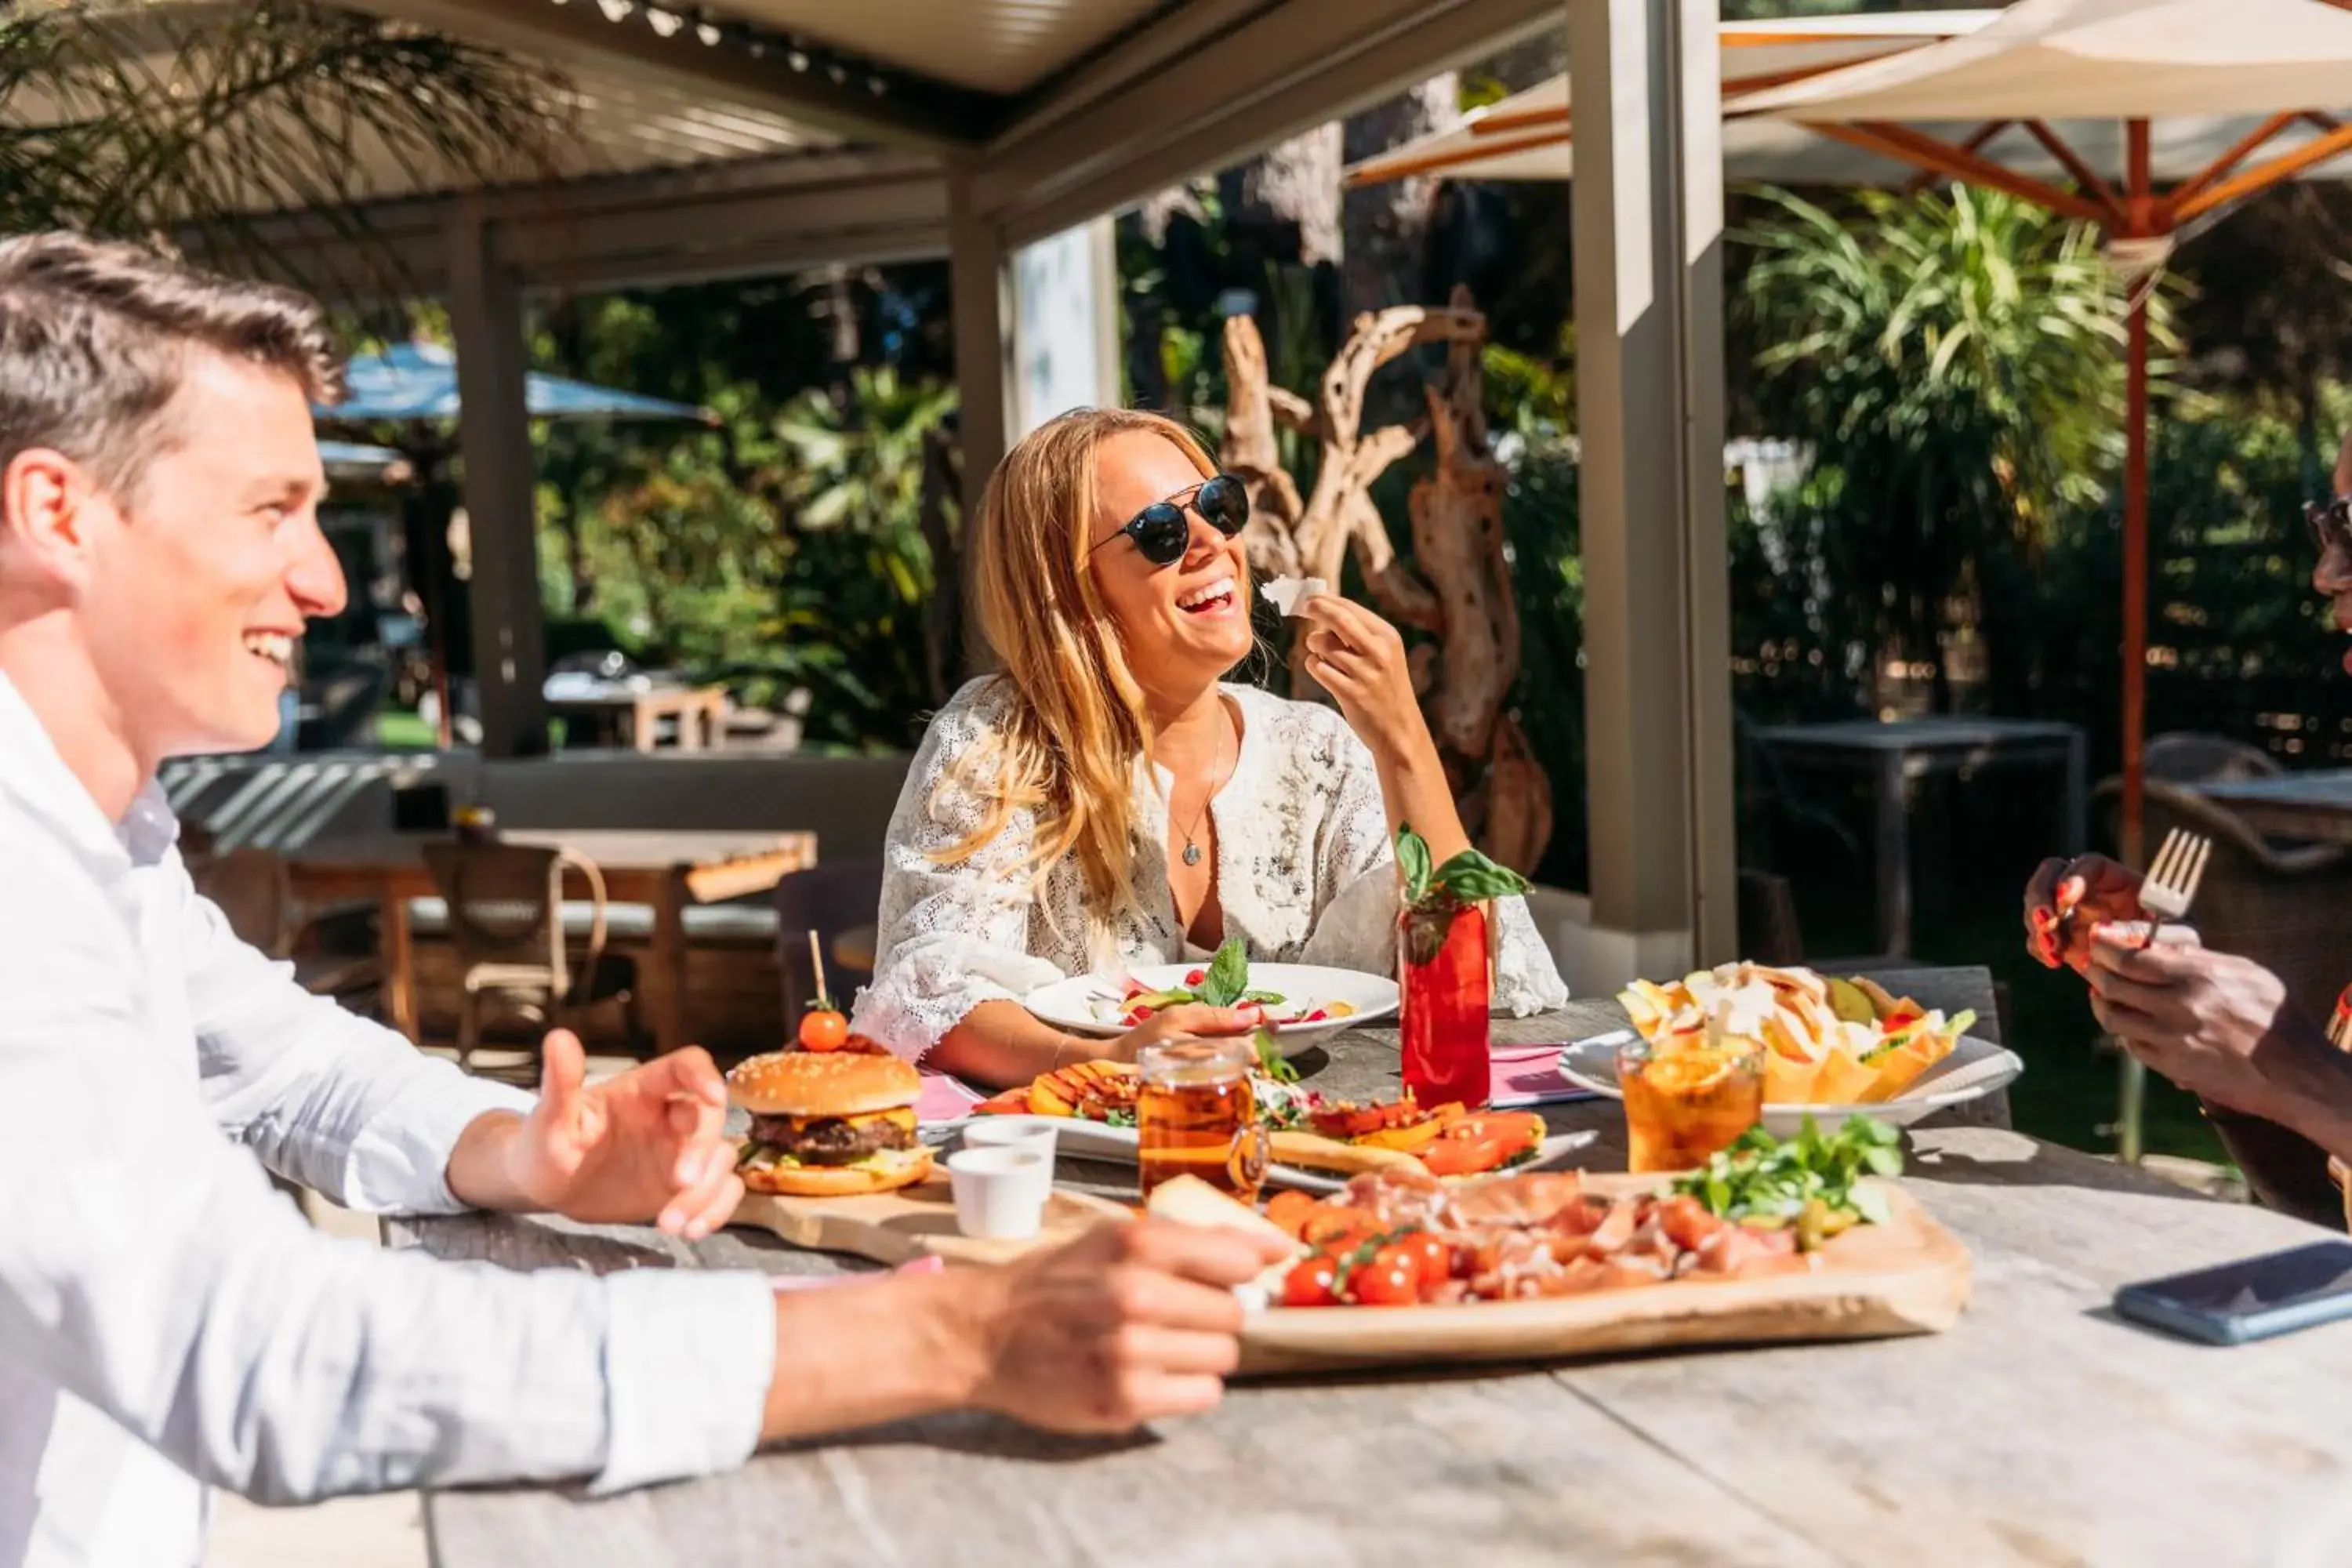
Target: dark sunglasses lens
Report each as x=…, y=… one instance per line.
x=1161, y=532
x=1224, y=503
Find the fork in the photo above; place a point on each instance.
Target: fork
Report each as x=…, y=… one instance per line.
x=2173, y=875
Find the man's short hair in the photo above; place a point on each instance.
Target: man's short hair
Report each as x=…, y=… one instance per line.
x=94, y=337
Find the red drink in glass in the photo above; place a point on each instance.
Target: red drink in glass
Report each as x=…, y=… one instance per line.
x=1445, y=1003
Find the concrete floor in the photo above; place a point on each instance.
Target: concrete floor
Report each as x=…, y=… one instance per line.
x=385, y=1531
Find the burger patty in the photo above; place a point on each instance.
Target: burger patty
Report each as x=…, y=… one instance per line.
x=828, y=1140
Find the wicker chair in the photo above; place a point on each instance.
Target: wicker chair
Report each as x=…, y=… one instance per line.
x=334, y=957
x=506, y=923
x=828, y=899
x=2186, y=757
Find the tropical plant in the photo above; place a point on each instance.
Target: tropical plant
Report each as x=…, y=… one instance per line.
x=1952, y=359
x=139, y=119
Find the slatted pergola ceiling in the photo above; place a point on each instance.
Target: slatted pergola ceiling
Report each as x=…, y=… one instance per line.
x=1001, y=47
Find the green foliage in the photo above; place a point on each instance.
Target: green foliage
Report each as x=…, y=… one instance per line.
x=268, y=104
x=1540, y=531
x=1953, y=360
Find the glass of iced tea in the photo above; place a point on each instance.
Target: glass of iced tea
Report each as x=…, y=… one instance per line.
x=1196, y=1115
x=1684, y=1103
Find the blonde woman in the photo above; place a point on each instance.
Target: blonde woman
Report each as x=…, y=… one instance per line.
x=1108, y=800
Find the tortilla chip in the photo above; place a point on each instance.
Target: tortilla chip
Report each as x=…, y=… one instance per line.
x=1898, y=1068
x=1789, y=1081
x=1844, y=1076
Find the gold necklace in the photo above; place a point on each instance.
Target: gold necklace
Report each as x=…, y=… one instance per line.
x=1192, y=835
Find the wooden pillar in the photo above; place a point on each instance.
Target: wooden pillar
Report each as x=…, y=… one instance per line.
x=1647, y=205
x=494, y=441
x=980, y=289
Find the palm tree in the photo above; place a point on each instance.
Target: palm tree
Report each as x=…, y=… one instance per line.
x=1952, y=358
x=152, y=118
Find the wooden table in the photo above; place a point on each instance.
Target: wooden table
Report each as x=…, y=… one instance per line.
x=2041, y=1431
x=700, y=712
x=2315, y=805
x=1892, y=754
x=661, y=868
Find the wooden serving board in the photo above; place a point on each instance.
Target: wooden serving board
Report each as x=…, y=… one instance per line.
x=912, y=1222
x=1909, y=1276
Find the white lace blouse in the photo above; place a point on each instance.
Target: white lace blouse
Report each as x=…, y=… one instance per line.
x=1304, y=871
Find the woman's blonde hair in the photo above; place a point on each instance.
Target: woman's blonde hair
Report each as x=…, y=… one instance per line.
x=1068, y=749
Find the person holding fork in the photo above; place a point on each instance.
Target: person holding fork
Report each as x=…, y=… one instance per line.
x=2276, y=1082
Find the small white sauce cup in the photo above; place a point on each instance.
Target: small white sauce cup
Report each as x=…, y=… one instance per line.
x=1008, y=1132
x=1000, y=1193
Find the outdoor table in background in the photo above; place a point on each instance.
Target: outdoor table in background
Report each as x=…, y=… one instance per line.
x=1894, y=754
x=700, y=712
x=663, y=870
x=2316, y=806
x=2040, y=1430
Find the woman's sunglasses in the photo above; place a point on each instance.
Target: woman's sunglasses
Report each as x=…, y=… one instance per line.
x=1161, y=532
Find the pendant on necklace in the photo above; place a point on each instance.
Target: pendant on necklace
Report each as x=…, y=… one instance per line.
x=1191, y=853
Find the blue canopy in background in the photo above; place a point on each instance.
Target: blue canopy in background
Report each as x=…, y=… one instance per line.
x=419, y=380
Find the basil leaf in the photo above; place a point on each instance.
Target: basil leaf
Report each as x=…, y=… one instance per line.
x=1412, y=859
x=1471, y=878
x=1228, y=976
x=1270, y=1059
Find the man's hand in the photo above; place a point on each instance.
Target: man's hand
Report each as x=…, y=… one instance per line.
x=646, y=1144
x=2219, y=1025
x=2067, y=897
x=1129, y=1324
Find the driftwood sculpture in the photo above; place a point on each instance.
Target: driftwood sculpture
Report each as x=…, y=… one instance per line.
x=1458, y=587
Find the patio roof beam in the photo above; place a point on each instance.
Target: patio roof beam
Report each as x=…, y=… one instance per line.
x=653, y=227
x=1291, y=65
x=785, y=76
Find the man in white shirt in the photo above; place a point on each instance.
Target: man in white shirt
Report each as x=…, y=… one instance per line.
x=167, y=1321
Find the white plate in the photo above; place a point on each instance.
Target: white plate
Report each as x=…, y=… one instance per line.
x=1088, y=1005
x=1081, y=1140
x=1974, y=1069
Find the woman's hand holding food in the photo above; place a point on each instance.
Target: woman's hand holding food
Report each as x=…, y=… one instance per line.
x=1191, y=1018
x=1359, y=659
x=2066, y=898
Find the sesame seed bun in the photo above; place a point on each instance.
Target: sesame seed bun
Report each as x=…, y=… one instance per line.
x=823, y=1083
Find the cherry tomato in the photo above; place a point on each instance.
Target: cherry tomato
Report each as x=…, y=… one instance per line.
x=1312, y=1282
x=1194, y=977
x=1137, y=1014
x=1392, y=1279
x=1431, y=1256
x=823, y=1029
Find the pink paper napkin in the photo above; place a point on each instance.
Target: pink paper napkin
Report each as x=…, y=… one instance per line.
x=945, y=1098
x=1529, y=1075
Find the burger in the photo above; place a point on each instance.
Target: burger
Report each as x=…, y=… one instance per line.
x=829, y=1123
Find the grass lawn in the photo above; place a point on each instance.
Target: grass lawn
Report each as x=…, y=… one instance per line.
x=400, y=730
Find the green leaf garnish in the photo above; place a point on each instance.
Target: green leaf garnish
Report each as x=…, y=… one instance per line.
x=1228, y=976
x=1768, y=1182
x=1469, y=877
x=1412, y=859
x=1270, y=1059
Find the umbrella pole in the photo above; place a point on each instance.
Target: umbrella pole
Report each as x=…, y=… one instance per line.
x=2139, y=190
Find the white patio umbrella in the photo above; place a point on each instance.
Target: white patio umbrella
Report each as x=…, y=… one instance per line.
x=1527, y=135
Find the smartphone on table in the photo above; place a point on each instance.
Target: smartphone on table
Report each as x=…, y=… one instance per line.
x=2252, y=1299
